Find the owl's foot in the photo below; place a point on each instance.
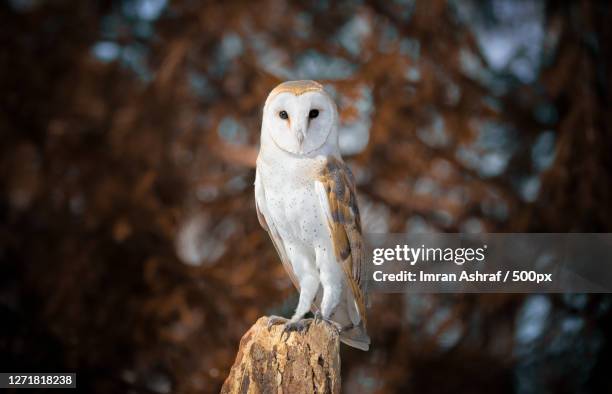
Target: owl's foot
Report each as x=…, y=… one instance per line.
x=298, y=326
x=274, y=320
x=318, y=317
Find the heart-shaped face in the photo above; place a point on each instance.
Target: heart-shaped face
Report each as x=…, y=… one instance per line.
x=300, y=123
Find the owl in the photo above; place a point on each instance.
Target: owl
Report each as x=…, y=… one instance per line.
x=306, y=200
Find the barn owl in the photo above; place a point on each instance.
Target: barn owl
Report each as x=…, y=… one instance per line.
x=305, y=199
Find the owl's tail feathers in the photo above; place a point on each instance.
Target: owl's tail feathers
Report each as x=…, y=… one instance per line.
x=356, y=337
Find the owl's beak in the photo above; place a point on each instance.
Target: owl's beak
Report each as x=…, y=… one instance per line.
x=300, y=136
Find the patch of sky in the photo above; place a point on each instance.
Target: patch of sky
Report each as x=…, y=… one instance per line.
x=439, y=317
x=375, y=217
x=472, y=226
x=410, y=47
x=232, y=131
x=453, y=93
x=492, y=150
x=148, y=10
x=492, y=103
x=214, y=246
x=354, y=136
x=435, y=134
x=576, y=301
x=303, y=25
x=572, y=325
x=362, y=174
x=230, y=47
x=443, y=217
x=417, y=308
x=425, y=186
x=532, y=319
x=413, y=74
x=368, y=383
x=543, y=150
x=495, y=208
x=115, y=24
x=470, y=63
x=143, y=29
x=200, y=85
x=199, y=244
x=106, y=51
x=529, y=188
x=388, y=39
x=271, y=59
x=353, y=32
x=510, y=34
x=315, y=65
x=473, y=68
x=418, y=225
x=493, y=163
x=207, y=193
x=134, y=57
x=236, y=184
x=333, y=92
x=311, y=64
x=570, y=338
x=450, y=336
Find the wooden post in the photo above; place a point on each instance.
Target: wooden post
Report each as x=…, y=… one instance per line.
x=270, y=362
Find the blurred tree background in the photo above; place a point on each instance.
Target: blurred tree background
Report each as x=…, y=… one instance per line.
x=130, y=252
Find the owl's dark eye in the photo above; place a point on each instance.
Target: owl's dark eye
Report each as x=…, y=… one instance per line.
x=313, y=113
x=283, y=115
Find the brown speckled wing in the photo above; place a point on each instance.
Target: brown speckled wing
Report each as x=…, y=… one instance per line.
x=344, y=225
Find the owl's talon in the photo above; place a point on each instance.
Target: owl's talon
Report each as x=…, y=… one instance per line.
x=274, y=320
x=298, y=326
x=332, y=323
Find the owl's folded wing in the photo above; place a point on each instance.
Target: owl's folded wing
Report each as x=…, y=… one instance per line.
x=277, y=241
x=336, y=191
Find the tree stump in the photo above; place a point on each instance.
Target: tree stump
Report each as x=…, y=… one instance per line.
x=270, y=362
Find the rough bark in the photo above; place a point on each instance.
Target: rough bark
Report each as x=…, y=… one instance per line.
x=270, y=362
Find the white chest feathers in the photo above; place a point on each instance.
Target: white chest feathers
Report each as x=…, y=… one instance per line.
x=291, y=199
